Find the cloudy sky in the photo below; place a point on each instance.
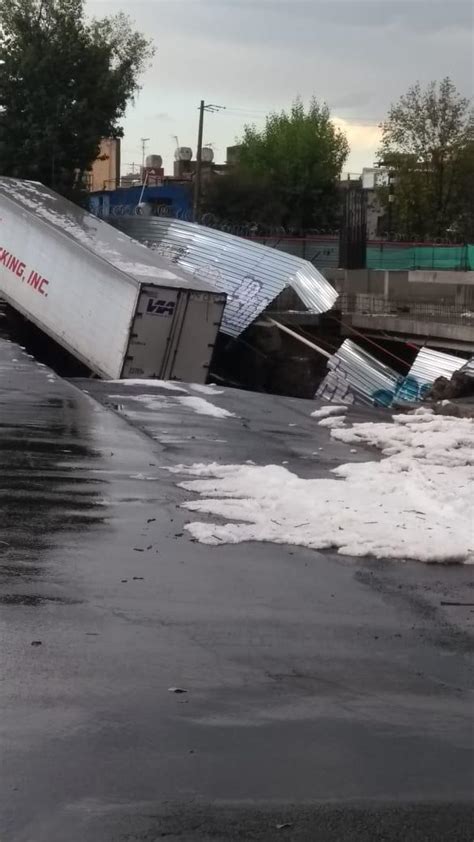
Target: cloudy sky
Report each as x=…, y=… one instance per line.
x=255, y=56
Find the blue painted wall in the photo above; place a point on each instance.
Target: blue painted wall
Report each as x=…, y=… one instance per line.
x=173, y=200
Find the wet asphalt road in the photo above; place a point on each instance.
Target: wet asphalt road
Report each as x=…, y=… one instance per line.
x=323, y=692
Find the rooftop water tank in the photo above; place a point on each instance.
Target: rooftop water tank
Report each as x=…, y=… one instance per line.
x=154, y=162
x=207, y=154
x=183, y=153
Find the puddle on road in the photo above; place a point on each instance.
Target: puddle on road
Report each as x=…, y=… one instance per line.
x=35, y=600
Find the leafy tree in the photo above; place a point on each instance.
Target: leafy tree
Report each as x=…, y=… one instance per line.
x=290, y=169
x=65, y=83
x=428, y=144
x=242, y=203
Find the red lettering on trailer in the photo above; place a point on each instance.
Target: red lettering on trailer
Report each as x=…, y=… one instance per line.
x=37, y=282
x=13, y=263
x=34, y=280
x=17, y=267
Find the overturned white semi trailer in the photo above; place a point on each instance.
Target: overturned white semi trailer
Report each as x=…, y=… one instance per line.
x=120, y=308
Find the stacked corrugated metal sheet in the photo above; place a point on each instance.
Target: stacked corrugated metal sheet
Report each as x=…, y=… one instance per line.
x=429, y=365
x=251, y=274
x=355, y=376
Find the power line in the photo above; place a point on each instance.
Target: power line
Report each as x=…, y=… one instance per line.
x=232, y=110
x=353, y=121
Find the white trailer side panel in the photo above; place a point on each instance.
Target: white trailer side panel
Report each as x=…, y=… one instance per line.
x=81, y=301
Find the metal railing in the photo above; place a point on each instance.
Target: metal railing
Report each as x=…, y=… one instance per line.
x=443, y=312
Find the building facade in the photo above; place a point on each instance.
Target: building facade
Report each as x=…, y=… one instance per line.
x=105, y=171
x=169, y=199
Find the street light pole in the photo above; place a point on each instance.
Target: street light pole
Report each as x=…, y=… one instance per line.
x=144, y=141
x=197, y=176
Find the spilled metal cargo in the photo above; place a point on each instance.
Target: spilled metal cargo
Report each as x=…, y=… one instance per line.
x=427, y=367
x=355, y=376
x=252, y=275
x=115, y=305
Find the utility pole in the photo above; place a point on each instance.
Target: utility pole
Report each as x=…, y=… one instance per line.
x=197, y=176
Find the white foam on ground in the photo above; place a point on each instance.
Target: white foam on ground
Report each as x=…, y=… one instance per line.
x=203, y=407
x=159, y=402
x=332, y=421
x=206, y=390
x=161, y=384
x=416, y=503
x=326, y=411
x=150, y=401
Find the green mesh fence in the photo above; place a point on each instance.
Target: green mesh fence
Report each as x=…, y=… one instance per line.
x=401, y=256
x=470, y=257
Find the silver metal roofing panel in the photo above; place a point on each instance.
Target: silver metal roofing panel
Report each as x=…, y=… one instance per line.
x=355, y=376
x=127, y=256
x=427, y=367
x=251, y=274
